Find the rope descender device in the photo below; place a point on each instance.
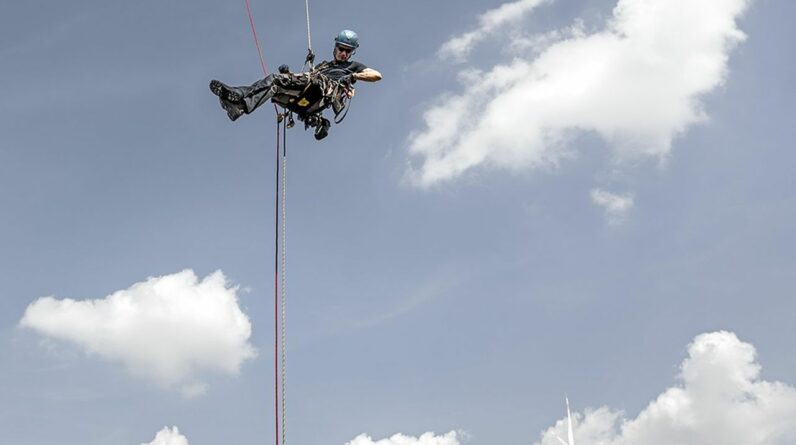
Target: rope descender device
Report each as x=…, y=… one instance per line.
x=309, y=62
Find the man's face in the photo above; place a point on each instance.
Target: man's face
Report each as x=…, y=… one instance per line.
x=342, y=53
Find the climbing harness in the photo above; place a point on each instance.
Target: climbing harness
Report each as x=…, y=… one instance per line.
x=308, y=94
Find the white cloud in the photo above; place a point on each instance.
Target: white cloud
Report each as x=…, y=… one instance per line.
x=169, y=436
x=614, y=206
x=460, y=46
x=638, y=83
x=450, y=438
x=720, y=400
x=167, y=329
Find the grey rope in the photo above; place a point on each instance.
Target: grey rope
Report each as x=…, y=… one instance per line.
x=309, y=34
x=309, y=62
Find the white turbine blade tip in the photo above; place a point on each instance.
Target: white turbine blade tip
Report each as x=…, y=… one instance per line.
x=570, y=434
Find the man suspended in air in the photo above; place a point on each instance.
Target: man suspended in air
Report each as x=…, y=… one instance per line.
x=306, y=94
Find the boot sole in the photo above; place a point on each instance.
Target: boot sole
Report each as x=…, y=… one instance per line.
x=224, y=92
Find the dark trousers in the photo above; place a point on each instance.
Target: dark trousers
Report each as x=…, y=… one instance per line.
x=272, y=85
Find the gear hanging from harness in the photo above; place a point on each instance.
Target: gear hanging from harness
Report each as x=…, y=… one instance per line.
x=308, y=94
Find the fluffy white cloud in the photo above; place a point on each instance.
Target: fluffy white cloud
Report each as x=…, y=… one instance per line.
x=720, y=400
x=168, y=329
x=459, y=47
x=450, y=438
x=614, y=206
x=637, y=83
x=172, y=436
x=169, y=436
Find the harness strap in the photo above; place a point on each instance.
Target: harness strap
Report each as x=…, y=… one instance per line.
x=347, y=107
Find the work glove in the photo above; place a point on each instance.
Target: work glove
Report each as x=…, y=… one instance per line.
x=284, y=69
x=348, y=80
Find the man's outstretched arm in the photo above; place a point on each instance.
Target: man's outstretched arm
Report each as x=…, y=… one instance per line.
x=368, y=75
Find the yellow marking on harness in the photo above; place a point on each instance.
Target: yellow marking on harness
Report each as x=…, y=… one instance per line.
x=303, y=102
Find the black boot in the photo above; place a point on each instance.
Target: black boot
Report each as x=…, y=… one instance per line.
x=224, y=91
x=234, y=110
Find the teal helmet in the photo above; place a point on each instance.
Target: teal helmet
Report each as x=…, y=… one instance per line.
x=347, y=38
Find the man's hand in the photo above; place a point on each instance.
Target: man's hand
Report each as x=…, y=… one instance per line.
x=348, y=80
x=284, y=69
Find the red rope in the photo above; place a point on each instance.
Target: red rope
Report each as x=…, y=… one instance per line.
x=276, y=241
x=263, y=65
x=256, y=40
x=276, y=238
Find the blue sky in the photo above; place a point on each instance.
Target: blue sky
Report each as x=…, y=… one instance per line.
x=607, y=194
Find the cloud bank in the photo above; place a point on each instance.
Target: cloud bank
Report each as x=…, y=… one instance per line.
x=450, y=438
x=720, y=400
x=172, y=436
x=169, y=436
x=637, y=83
x=167, y=329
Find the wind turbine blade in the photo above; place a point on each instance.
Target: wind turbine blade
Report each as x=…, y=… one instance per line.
x=561, y=440
x=570, y=435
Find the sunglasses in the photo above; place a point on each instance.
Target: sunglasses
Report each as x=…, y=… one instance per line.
x=343, y=49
